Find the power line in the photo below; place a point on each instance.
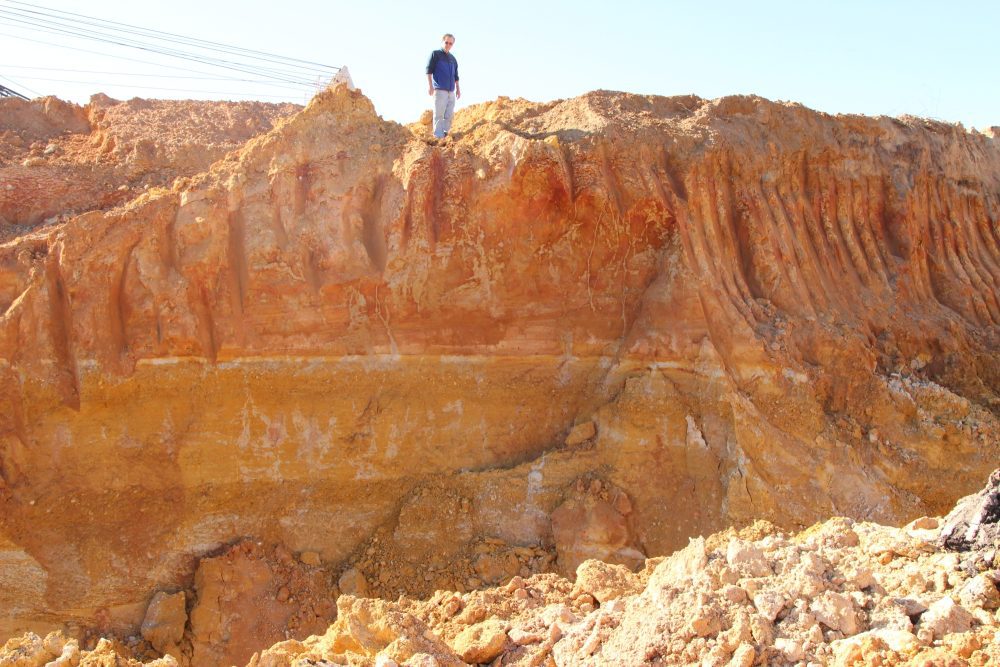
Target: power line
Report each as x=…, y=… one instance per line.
x=267, y=69
x=278, y=75
x=143, y=74
x=147, y=62
x=145, y=39
x=182, y=90
x=8, y=79
x=84, y=33
x=101, y=53
x=269, y=84
x=166, y=36
x=7, y=92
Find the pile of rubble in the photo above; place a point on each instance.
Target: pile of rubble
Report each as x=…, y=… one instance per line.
x=839, y=593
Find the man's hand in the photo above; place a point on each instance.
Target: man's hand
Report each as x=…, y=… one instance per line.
x=430, y=90
x=458, y=91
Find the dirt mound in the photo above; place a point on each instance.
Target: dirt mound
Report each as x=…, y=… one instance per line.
x=59, y=159
x=26, y=122
x=187, y=136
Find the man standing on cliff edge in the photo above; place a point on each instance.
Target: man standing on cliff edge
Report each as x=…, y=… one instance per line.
x=442, y=84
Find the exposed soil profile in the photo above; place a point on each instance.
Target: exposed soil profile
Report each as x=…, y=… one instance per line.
x=613, y=380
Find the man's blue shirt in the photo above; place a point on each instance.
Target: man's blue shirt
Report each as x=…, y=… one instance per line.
x=443, y=68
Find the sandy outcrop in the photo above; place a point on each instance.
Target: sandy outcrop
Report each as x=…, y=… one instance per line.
x=343, y=340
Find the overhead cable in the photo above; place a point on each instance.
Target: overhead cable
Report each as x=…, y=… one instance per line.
x=101, y=53
x=135, y=85
x=166, y=36
x=7, y=92
x=246, y=68
x=9, y=80
x=266, y=68
x=141, y=74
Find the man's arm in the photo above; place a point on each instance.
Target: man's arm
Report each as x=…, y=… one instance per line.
x=458, y=88
x=430, y=72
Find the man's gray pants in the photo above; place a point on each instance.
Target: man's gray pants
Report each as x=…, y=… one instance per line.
x=444, y=108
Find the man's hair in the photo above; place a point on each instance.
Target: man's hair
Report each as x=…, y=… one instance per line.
x=446, y=36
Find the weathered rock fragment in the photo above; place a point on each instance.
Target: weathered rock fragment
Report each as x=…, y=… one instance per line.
x=166, y=618
x=974, y=524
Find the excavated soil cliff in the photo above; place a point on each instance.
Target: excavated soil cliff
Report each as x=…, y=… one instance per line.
x=344, y=359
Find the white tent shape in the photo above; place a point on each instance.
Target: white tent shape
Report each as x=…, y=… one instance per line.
x=342, y=77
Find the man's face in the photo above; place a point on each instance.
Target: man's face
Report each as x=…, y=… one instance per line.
x=447, y=43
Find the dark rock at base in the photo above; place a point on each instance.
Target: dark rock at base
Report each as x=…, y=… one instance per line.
x=974, y=524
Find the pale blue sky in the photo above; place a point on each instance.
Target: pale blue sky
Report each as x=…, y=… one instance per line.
x=932, y=59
